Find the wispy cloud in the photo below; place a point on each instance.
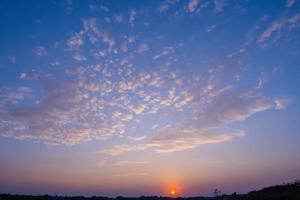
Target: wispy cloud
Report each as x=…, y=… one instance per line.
x=219, y=5
x=12, y=59
x=276, y=26
x=132, y=15
x=78, y=56
x=143, y=47
x=130, y=162
x=222, y=109
x=131, y=174
x=137, y=138
x=282, y=103
x=68, y=6
x=75, y=41
x=104, y=87
x=192, y=5
x=40, y=51
x=290, y=3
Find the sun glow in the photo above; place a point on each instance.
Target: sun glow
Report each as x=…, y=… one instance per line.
x=173, y=192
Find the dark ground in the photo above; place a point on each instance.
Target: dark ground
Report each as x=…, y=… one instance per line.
x=289, y=191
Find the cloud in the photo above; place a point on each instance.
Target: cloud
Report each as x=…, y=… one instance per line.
x=163, y=8
x=75, y=41
x=29, y=76
x=281, y=103
x=13, y=96
x=119, y=18
x=132, y=15
x=113, y=91
x=224, y=108
x=78, y=56
x=40, y=51
x=279, y=27
x=176, y=140
x=12, y=59
x=143, y=47
x=98, y=8
x=68, y=6
x=189, y=138
x=276, y=26
x=101, y=101
x=192, y=5
x=130, y=162
x=219, y=5
x=138, y=138
x=210, y=28
x=233, y=108
x=131, y=174
x=123, y=148
x=166, y=51
x=290, y=3
x=80, y=107
x=294, y=21
x=92, y=34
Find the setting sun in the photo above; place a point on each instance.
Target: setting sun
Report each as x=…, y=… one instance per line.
x=173, y=192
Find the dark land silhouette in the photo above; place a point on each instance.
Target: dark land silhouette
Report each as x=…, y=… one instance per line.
x=288, y=191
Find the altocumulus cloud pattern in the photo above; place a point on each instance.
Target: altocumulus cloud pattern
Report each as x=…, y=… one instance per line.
x=159, y=76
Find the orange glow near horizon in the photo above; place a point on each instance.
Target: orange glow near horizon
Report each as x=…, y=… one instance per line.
x=173, y=190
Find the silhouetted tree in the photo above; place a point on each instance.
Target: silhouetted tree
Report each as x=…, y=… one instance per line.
x=217, y=192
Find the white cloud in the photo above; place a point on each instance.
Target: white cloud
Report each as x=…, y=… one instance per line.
x=12, y=96
x=123, y=148
x=78, y=56
x=94, y=34
x=233, y=108
x=192, y=5
x=190, y=138
x=276, y=26
x=176, y=140
x=131, y=39
x=89, y=103
x=137, y=138
x=222, y=109
x=132, y=15
x=23, y=75
x=281, y=103
x=75, y=41
x=210, y=28
x=40, y=51
x=139, y=109
x=29, y=76
x=130, y=162
x=143, y=47
x=294, y=21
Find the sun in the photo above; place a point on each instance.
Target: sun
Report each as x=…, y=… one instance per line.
x=173, y=192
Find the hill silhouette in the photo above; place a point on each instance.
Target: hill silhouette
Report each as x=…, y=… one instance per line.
x=288, y=191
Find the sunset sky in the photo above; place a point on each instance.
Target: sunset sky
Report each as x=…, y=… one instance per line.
x=144, y=97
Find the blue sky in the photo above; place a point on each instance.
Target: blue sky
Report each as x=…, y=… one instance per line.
x=139, y=97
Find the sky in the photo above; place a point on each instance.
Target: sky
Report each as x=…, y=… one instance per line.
x=143, y=97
